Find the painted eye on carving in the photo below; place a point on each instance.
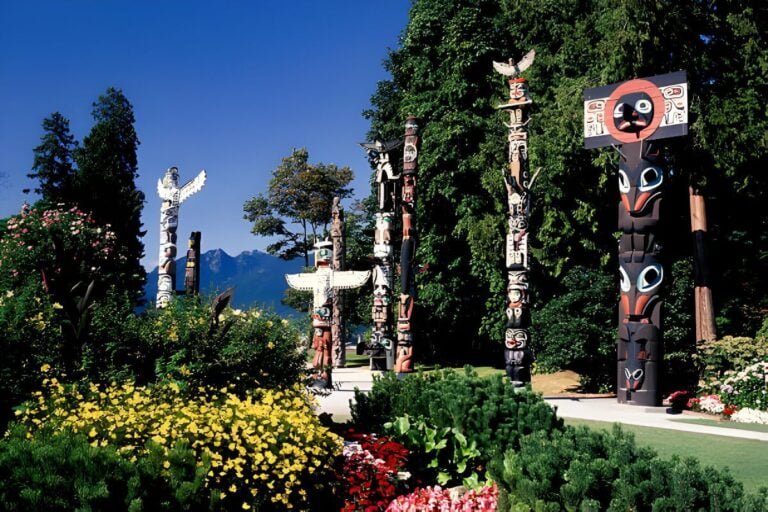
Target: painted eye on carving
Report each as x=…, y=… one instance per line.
x=627, y=373
x=618, y=110
x=643, y=106
x=623, y=182
x=650, y=178
x=624, y=280
x=650, y=278
x=637, y=374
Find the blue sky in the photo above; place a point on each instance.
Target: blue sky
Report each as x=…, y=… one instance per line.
x=230, y=87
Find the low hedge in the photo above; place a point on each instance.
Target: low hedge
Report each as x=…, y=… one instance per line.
x=581, y=469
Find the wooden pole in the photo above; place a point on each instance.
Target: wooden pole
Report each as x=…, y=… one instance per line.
x=705, y=312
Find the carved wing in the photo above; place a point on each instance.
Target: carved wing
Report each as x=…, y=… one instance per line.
x=349, y=279
x=526, y=61
x=192, y=187
x=511, y=69
x=165, y=193
x=305, y=282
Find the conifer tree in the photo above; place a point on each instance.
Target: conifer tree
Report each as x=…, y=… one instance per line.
x=53, y=166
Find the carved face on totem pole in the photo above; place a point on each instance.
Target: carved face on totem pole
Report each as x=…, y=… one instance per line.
x=639, y=345
x=171, y=178
x=516, y=339
x=633, y=112
x=323, y=253
x=641, y=275
x=382, y=245
x=382, y=284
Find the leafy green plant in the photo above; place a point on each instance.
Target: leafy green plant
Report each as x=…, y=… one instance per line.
x=729, y=353
x=487, y=411
x=64, y=471
x=438, y=454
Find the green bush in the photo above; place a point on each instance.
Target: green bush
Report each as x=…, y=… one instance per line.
x=729, y=353
x=487, y=411
x=29, y=338
x=63, y=472
x=577, y=330
x=182, y=342
x=581, y=469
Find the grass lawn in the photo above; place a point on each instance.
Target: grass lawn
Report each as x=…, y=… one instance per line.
x=753, y=427
x=746, y=459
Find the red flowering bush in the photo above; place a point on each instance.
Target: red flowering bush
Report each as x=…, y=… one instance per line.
x=55, y=246
x=436, y=499
x=372, y=472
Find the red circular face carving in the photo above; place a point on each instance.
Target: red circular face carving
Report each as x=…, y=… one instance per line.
x=633, y=87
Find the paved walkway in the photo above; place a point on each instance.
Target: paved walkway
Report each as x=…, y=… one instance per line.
x=595, y=409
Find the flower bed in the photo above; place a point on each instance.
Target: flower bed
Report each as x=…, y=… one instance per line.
x=442, y=500
x=267, y=448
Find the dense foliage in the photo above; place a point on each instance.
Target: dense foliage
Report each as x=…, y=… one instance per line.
x=441, y=72
x=485, y=413
x=98, y=177
x=581, y=469
x=64, y=472
x=300, y=194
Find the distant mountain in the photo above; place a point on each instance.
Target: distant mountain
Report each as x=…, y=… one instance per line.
x=258, y=278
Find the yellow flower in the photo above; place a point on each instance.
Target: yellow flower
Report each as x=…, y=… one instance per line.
x=246, y=506
x=45, y=368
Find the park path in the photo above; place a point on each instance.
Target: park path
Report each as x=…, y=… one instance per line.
x=595, y=409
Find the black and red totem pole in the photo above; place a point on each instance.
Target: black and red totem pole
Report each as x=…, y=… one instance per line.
x=192, y=268
x=518, y=356
x=404, y=356
x=633, y=116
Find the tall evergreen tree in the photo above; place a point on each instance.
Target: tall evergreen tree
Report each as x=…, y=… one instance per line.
x=106, y=182
x=53, y=166
x=441, y=72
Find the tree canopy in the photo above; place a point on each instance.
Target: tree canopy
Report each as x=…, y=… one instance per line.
x=441, y=72
x=98, y=177
x=300, y=194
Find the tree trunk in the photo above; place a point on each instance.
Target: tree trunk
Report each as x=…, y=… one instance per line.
x=705, y=312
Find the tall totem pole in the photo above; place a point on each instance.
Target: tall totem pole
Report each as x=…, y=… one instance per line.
x=339, y=250
x=517, y=353
x=631, y=116
x=325, y=283
x=172, y=196
x=192, y=271
x=404, y=361
x=382, y=347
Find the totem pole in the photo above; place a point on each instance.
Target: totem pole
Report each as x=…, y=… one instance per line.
x=339, y=249
x=404, y=362
x=324, y=283
x=631, y=116
x=517, y=353
x=382, y=348
x=192, y=271
x=172, y=196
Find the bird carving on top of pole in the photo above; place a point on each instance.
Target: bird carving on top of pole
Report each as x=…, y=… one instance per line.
x=512, y=69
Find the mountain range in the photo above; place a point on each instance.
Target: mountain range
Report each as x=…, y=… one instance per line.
x=258, y=278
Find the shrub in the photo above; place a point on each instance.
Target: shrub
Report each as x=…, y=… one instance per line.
x=580, y=469
x=62, y=247
x=746, y=388
x=577, y=330
x=29, y=339
x=487, y=411
x=265, y=451
x=182, y=342
x=715, y=358
x=64, y=472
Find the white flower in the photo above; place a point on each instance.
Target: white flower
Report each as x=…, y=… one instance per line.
x=747, y=415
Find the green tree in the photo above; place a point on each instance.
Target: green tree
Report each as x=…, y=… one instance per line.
x=106, y=182
x=300, y=194
x=441, y=72
x=53, y=166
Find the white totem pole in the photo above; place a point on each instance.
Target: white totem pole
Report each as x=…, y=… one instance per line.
x=323, y=283
x=172, y=196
